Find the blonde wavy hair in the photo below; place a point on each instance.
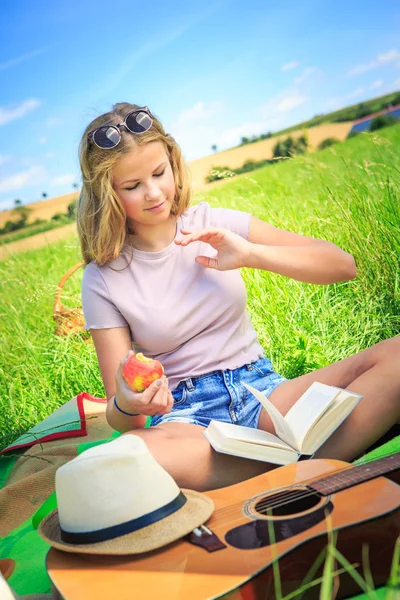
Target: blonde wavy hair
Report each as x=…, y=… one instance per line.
x=102, y=222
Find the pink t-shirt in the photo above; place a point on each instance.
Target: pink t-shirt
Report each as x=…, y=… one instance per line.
x=191, y=318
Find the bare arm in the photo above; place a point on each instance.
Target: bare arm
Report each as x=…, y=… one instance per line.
x=272, y=249
x=112, y=348
x=297, y=256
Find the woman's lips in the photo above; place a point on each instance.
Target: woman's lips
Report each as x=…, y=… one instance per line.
x=157, y=208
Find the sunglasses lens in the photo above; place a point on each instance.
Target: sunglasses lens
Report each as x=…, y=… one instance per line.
x=106, y=137
x=138, y=122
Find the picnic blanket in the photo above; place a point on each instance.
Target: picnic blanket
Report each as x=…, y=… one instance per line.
x=27, y=484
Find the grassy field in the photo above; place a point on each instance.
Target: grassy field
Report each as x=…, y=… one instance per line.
x=348, y=194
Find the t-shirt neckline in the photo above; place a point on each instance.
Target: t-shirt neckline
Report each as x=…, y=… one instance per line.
x=144, y=255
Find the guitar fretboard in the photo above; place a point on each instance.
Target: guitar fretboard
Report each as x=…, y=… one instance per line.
x=354, y=475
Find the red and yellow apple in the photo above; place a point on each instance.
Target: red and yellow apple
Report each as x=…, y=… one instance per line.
x=140, y=371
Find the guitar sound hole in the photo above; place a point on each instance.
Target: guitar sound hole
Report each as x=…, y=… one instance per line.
x=285, y=513
x=287, y=503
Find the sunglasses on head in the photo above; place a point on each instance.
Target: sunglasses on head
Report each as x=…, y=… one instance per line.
x=109, y=136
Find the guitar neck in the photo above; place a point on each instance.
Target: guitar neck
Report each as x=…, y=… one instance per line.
x=355, y=475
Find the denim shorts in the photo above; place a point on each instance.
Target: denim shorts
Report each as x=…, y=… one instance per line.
x=221, y=395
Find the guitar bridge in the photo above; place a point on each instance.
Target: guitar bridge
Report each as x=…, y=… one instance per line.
x=205, y=538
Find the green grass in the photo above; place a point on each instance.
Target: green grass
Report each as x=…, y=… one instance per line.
x=348, y=194
x=29, y=230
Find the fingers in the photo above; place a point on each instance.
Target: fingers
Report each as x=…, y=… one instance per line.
x=155, y=397
x=204, y=235
x=205, y=261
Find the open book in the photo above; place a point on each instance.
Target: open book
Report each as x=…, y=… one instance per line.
x=314, y=417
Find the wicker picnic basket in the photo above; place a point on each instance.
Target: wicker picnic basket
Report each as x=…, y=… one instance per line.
x=68, y=320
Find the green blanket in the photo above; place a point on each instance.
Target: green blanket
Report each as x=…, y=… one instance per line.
x=27, y=548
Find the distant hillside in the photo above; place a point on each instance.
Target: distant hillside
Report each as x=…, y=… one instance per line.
x=349, y=113
x=263, y=149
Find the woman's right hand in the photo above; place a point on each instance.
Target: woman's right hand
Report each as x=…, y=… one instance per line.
x=155, y=400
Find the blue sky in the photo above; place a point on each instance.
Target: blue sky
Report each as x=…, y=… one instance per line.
x=212, y=72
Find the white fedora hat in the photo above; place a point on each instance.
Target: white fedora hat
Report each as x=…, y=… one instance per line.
x=116, y=499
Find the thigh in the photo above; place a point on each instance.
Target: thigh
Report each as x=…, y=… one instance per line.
x=340, y=374
x=183, y=451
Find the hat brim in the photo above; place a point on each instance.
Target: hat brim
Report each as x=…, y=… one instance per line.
x=196, y=511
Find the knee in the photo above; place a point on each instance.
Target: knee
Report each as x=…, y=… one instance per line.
x=388, y=351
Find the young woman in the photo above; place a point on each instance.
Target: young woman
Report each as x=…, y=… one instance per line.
x=163, y=278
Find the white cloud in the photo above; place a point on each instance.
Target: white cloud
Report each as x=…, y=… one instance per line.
x=13, y=62
x=271, y=117
x=380, y=61
x=355, y=93
x=3, y=159
x=198, y=112
x=193, y=129
x=305, y=75
x=6, y=204
x=290, y=65
x=232, y=137
x=341, y=101
x=67, y=179
x=196, y=130
x=11, y=113
x=288, y=103
x=43, y=140
x=376, y=84
x=30, y=177
x=53, y=121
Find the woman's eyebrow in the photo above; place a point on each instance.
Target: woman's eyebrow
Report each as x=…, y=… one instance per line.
x=163, y=164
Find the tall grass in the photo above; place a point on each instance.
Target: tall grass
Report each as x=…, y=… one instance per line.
x=348, y=194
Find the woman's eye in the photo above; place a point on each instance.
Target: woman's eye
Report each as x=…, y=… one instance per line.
x=159, y=174
x=132, y=188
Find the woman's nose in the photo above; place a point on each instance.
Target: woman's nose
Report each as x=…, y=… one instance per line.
x=153, y=191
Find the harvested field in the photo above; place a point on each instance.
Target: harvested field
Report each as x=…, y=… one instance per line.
x=44, y=209
x=261, y=150
x=37, y=241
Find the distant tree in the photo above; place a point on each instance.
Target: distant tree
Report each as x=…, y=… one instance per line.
x=244, y=140
x=214, y=147
x=17, y=202
x=44, y=195
x=330, y=141
x=382, y=121
x=22, y=212
x=76, y=186
x=362, y=110
x=290, y=146
x=301, y=144
x=353, y=134
x=71, y=209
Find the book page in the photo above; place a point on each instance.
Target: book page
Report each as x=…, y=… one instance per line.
x=309, y=408
x=282, y=427
x=244, y=434
x=249, y=443
x=336, y=413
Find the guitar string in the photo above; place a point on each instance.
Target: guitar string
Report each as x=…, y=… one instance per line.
x=286, y=496
x=281, y=501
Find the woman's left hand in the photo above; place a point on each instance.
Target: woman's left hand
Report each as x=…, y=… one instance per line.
x=233, y=250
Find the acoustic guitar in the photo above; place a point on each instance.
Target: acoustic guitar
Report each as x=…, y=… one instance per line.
x=284, y=518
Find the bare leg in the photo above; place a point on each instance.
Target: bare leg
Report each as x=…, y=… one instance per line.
x=185, y=453
x=374, y=373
